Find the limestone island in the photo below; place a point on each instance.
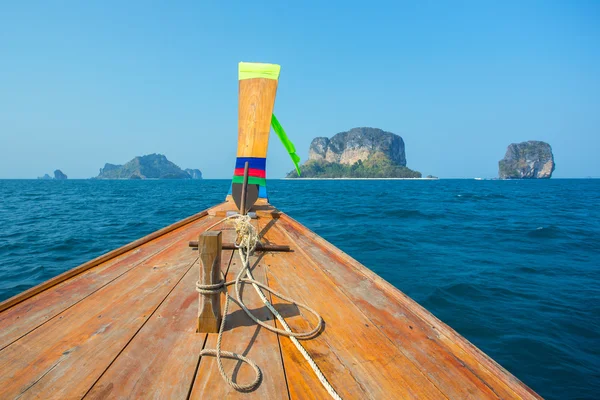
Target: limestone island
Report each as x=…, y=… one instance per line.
x=58, y=176
x=357, y=153
x=527, y=160
x=151, y=166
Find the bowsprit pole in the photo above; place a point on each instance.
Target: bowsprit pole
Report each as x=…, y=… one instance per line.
x=244, y=189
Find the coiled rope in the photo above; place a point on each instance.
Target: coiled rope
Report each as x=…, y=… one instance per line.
x=247, y=239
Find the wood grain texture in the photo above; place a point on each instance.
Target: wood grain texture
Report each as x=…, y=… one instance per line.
x=65, y=356
x=244, y=336
x=262, y=209
x=32, y=312
x=255, y=107
x=161, y=360
x=96, y=261
x=416, y=340
x=455, y=365
x=126, y=329
x=209, y=305
x=355, y=356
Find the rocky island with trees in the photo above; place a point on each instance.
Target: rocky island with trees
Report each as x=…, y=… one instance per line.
x=357, y=153
x=527, y=160
x=151, y=166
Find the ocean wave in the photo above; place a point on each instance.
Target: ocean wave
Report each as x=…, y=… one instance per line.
x=541, y=232
x=482, y=256
x=408, y=214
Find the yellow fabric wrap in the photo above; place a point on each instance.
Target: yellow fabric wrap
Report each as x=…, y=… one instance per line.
x=258, y=70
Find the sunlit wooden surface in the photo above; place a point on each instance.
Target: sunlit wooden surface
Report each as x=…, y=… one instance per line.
x=126, y=328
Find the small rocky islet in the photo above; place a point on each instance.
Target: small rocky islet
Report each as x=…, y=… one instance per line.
x=375, y=153
x=357, y=153
x=527, y=160
x=151, y=166
x=58, y=176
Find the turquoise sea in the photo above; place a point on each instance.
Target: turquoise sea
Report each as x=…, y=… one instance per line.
x=514, y=266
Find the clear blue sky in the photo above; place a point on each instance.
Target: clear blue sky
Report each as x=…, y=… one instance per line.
x=83, y=83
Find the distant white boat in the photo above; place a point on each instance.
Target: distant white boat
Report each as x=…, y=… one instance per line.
x=478, y=179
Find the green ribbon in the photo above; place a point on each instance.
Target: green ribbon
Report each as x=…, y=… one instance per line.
x=287, y=143
x=252, y=180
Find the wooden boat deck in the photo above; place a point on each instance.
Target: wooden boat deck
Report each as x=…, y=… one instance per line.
x=123, y=326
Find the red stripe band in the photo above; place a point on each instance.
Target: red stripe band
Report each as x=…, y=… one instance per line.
x=258, y=173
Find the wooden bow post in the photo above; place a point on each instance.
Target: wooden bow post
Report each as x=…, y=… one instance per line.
x=209, y=311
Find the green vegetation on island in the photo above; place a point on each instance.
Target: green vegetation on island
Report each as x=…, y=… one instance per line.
x=357, y=153
x=375, y=166
x=152, y=166
x=527, y=160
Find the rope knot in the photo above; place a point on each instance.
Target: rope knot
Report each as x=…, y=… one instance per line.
x=247, y=239
x=210, y=288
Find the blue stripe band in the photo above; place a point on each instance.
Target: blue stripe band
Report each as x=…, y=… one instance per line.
x=254, y=162
x=262, y=192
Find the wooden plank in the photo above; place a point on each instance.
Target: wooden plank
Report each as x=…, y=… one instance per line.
x=456, y=366
x=27, y=315
x=244, y=336
x=377, y=343
x=262, y=208
x=65, y=356
x=255, y=107
x=417, y=342
x=96, y=261
x=259, y=247
x=160, y=361
x=357, y=359
x=473, y=358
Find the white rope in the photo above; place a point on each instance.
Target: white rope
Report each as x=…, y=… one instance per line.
x=246, y=241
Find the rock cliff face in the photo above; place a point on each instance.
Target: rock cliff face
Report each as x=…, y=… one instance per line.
x=358, y=153
x=194, y=173
x=58, y=174
x=152, y=166
x=527, y=160
x=358, y=144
